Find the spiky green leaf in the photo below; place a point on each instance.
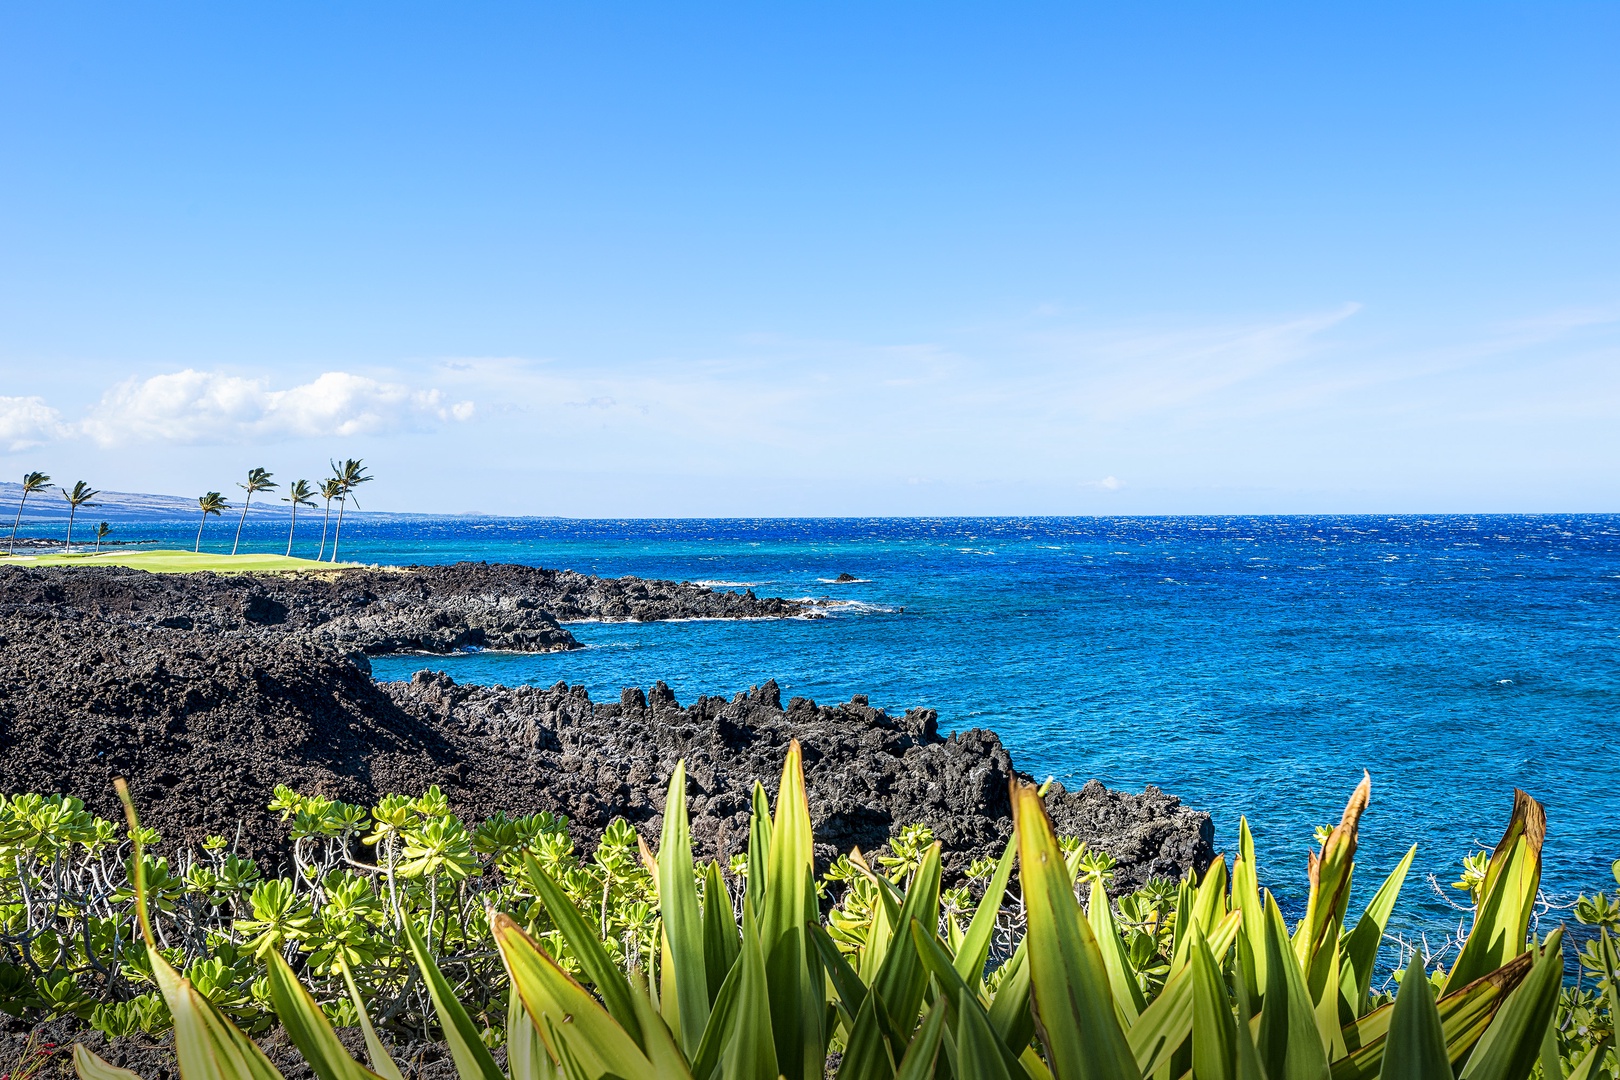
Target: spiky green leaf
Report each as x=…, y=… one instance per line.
x=1416, y=1047
x=1464, y=1015
x=918, y=1063
x=467, y=1049
x=554, y=1001
x=1166, y=1024
x=683, y=918
x=1074, y=1007
x=1508, y=1049
x=586, y=944
x=381, y=1062
x=975, y=947
x=1512, y=877
x=1359, y=948
x=720, y=940
x=1214, y=1033
x=979, y=1056
x=750, y=1050
x=90, y=1066
x=307, y=1026
x=792, y=967
x=1288, y=1041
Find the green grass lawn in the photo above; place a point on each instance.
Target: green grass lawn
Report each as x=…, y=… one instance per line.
x=176, y=562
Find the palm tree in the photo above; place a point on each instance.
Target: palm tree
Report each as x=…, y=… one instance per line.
x=101, y=534
x=32, y=482
x=349, y=476
x=211, y=503
x=81, y=495
x=298, y=493
x=330, y=489
x=258, y=480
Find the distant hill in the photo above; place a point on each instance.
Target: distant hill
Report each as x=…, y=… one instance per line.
x=110, y=505
x=137, y=517
x=163, y=517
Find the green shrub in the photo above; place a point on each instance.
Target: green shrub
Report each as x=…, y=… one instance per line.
x=1209, y=983
x=70, y=943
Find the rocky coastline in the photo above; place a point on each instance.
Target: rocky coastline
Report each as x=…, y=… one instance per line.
x=374, y=611
x=207, y=692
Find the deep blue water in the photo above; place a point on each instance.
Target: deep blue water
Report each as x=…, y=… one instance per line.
x=1249, y=665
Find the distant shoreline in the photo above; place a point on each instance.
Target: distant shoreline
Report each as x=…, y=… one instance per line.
x=45, y=543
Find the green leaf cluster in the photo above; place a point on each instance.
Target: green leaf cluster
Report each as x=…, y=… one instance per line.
x=70, y=943
x=1209, y=983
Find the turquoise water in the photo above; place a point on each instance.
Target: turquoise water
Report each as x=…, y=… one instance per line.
x=1250, y=665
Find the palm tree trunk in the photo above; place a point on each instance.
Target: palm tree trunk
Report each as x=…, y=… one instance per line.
x=98, y=544
x=69, y=545
x=321, y=554
x=337, y=533
x=290, y=529
x=198, y=549
x=239, y=522
x=12, y=547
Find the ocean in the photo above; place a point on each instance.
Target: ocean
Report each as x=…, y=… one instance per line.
x=1250, y=665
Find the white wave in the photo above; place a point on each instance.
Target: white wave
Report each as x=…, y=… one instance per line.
x=860, y=607
x=855, y=607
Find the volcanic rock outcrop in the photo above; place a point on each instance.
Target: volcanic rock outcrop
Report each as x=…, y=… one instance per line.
x=867, y=772
x=206, y=705
x=436, y=609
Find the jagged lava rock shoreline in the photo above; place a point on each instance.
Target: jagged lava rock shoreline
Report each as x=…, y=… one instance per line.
x=867, y=772
x=433, y=609
x=187, y=688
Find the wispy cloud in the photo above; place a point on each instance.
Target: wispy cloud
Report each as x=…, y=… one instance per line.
x=1124, y=373
x=1099, y=413
x=983, y=403
x=211, y=407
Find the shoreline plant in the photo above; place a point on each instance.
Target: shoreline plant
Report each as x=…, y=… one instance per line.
x=79, y=495
x=298, y=494
x=345, y=479
x=641, y=964
x=209, y=503
x=32, y=482
x=258, y=479
x=331, y=489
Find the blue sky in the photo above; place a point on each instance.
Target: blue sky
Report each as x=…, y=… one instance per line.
x=842, y=259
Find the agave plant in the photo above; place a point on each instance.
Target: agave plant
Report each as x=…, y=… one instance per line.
x=1301, y=1000
x=769, y=994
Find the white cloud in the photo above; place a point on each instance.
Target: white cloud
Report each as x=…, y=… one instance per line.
x=27, y=422
x=209, y=407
